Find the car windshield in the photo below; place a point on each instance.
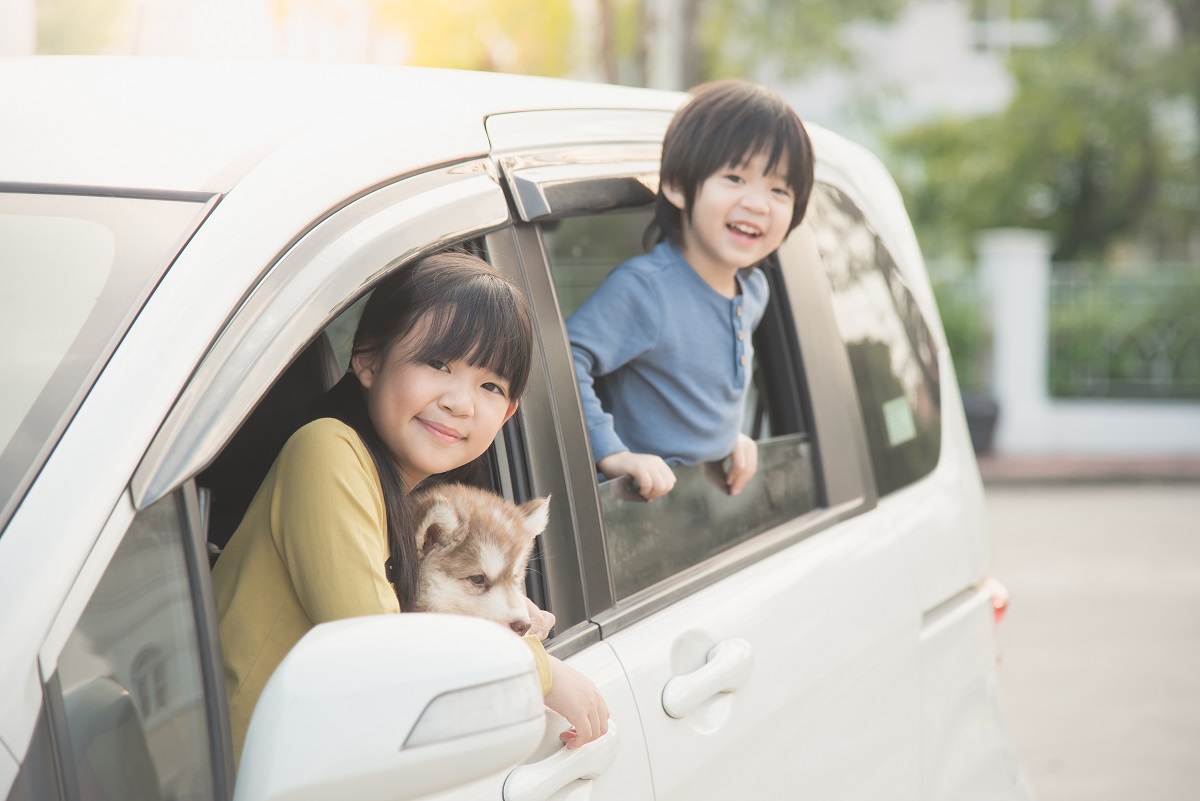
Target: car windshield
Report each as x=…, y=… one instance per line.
x=73, y=268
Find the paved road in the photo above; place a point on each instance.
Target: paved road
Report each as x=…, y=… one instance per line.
x=1100, y=650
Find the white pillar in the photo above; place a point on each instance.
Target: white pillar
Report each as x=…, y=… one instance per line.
x=1014, y=264
x=664, y=69
x=18, y=27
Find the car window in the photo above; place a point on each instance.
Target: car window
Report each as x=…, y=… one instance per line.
x=37, y=780
x=892, y=353
x=132, y=674
x=74, y=269
x=648, y=543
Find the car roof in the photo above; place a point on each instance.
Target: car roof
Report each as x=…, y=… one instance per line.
x=192, y=125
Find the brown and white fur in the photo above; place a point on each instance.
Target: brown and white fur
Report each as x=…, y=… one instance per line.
x=473, y=548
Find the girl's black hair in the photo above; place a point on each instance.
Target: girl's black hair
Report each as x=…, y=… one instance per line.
x=728, y=123
x=474, y=314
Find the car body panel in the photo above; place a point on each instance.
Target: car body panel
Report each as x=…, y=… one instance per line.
x=830, y=703
x=944, y=558
x=195, y=125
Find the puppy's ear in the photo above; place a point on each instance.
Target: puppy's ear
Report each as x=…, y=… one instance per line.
x=537, y=514
x=437, y=526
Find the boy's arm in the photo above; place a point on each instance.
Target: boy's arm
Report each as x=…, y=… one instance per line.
x=615, y=325
x=600, y=426
x=618, y=323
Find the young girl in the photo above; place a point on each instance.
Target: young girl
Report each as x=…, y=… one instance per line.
x=441, y=356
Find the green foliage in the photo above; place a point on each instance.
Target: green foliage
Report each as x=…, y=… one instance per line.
x=1125, y=336
x=1082, y=151
x=792, y=36
x=968, y=330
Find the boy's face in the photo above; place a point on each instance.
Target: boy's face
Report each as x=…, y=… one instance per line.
x=738, y=217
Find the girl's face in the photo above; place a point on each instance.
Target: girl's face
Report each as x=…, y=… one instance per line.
x=432, y=417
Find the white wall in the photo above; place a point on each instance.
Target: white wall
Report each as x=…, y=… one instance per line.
x=1015, y=269
x=18, y=27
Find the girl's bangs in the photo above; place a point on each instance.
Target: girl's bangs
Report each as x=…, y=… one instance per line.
x=485, y=329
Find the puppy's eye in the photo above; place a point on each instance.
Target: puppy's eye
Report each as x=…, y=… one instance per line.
x=478, y=580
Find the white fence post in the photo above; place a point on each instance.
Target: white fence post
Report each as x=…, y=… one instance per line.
x=1014, y=264
x=18, y=27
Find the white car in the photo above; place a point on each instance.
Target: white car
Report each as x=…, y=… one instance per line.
x=182, y=245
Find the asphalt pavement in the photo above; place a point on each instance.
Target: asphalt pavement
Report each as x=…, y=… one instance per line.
x=1100, y=649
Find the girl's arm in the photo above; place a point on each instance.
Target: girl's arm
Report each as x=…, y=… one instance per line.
x=578, y=699
x=329, y=524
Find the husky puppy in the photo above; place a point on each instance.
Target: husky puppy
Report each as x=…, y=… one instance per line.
x=473, y=548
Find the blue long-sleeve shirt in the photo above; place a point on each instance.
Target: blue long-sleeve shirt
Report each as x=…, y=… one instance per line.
x=663, y=360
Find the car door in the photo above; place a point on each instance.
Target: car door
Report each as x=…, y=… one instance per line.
x=309, y=297
x=770, y=640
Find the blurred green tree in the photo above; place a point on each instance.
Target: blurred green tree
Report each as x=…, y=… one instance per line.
x=730, y=38
x=790, y=36
x=1099, y=144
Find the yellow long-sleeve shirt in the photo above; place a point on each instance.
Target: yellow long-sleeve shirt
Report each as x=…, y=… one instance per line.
x=311, y=549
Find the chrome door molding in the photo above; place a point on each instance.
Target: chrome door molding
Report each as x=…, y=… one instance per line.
x=318, y=277
x=543, y=192
x=596, y=160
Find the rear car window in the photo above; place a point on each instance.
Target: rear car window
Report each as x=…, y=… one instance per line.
x=75, y=268
x=892, y=353
x=648, y=543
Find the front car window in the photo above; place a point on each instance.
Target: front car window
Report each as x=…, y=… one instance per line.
x=132, y=672
x=74, y=268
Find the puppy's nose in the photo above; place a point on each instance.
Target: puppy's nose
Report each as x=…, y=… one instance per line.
x=519, y=626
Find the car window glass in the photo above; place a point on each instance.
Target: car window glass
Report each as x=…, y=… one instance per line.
x=650, y=542
x=892, y=353
x=74, y=268
x=132, y=675
x=37, y=780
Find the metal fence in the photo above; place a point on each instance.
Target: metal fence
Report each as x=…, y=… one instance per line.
x=1129, y=334
x=966, y=316
x=1133, y=334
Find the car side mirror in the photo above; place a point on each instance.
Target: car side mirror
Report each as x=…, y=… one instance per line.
x=392, y=707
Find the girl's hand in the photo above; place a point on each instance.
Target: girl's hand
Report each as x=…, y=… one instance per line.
x=743, y=464
x=577, y=699
x=540, y=621
x=654, y=477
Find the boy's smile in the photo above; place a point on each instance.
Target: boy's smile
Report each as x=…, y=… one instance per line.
x=739, y=216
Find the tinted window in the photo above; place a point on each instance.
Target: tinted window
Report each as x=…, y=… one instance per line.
x=38, y=779
x=74, y=268
x=650, y=542
x=132, y=675
x=892, y=354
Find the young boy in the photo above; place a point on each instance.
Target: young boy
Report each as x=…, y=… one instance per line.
x=662, y=348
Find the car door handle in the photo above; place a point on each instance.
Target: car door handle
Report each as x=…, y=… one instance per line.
x=539, y=781
x=726, y=669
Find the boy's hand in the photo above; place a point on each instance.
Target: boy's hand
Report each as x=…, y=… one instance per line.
x=654, y=477
x=743, y=464
x=576, y=698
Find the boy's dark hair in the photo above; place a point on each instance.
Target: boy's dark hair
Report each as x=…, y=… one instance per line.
x=729, y=122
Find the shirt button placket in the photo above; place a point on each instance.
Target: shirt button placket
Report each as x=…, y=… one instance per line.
x=739, y=366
